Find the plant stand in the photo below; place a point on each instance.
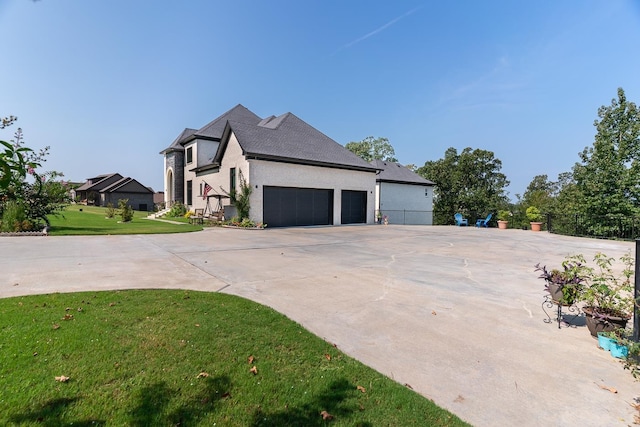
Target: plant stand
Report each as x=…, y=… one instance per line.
x=548, y=308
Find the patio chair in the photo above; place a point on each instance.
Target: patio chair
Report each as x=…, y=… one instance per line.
x=484, y=222
x=460, y=220
x=197, y=217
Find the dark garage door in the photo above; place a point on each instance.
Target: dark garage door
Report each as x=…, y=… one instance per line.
x=354, y=207
x=287, y=206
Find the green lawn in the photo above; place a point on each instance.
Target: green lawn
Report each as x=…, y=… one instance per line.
x=86, y=220
x=166, y=358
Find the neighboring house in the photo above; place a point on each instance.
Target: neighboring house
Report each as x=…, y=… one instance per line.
x=298, y=175
x=402, y=195
x=109, y=188
x=158, y=198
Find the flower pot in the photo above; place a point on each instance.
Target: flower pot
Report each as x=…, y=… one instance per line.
x=555, y=291
x=603, y=323
x=503, y=224
x=618, y=351
x=605, y=342
x=536, y=226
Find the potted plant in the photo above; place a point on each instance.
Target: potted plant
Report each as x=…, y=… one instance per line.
x=503, y=219
x=535, y=218
x=608, y=296
x=616, y=340
x=565, y=286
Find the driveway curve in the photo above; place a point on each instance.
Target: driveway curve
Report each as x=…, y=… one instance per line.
x=453, y=313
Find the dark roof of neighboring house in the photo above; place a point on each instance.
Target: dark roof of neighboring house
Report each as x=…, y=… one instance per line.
x=97, y=182
x=396, y=173
x=125, y=181
x=111, y=182
x=289, y=139
x=214, y=129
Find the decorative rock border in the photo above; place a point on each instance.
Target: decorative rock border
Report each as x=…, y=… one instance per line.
x=24, y=234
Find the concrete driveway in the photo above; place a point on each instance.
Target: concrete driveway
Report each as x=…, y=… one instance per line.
x=455, y=313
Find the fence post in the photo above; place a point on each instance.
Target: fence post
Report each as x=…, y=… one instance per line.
x=636, y=295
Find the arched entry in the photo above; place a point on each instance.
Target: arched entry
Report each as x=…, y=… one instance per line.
x=170, y=188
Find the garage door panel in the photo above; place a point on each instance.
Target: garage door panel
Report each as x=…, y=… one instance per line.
x=354, y=207
x=289, y=206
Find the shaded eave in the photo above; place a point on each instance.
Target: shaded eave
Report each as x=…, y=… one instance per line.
x=210, y=166
x=422, y=184
x=282, y=159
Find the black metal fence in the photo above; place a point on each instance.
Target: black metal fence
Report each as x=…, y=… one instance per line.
x=603, y=227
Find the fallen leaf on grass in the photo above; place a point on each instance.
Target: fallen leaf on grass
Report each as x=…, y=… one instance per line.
x=362, y=389
x=35, y=354
x=251, y=359
x=254, y=370
x=67, y=316
x=111, y=304
x=327, y=356
x=56, y=326
x=611, y=389
x=197, y=325
x=62, y=379
x=326, y=416
x=202, y=375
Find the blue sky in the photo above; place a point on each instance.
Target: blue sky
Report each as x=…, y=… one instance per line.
x=110, y=83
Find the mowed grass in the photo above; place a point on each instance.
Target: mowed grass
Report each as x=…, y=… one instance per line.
x=92, y=220
x=168, y=358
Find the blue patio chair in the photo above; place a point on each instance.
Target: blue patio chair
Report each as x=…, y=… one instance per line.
x=460, y=220
x=483, y=222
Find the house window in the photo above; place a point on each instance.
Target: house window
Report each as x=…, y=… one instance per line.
x=232, y=179
x=189, y=193
x=426, y=192
x=189, y=155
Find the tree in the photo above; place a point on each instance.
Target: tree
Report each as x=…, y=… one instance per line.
x=470, y=183
x=26, y=202
x=608, y=177
x=372, y=148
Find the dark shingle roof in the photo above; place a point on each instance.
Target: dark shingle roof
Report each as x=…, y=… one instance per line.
x=213, y=129
x=97, y=182
x=176, y=145
x=288, y=138
x=395, y=172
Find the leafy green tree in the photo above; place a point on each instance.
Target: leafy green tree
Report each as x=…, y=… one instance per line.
x=607, y=179
x=35, y=194
x=372, y=148
x=470, y=183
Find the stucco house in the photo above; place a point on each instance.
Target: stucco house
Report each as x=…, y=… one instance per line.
x=107, y=189
x=298, y=175
x=402, y=195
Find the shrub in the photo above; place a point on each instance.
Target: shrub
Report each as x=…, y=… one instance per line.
x=177, y=210
x=126, y=211
x=12, y=216
x=504, y=215
x=533, y=214
x=111, y=212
